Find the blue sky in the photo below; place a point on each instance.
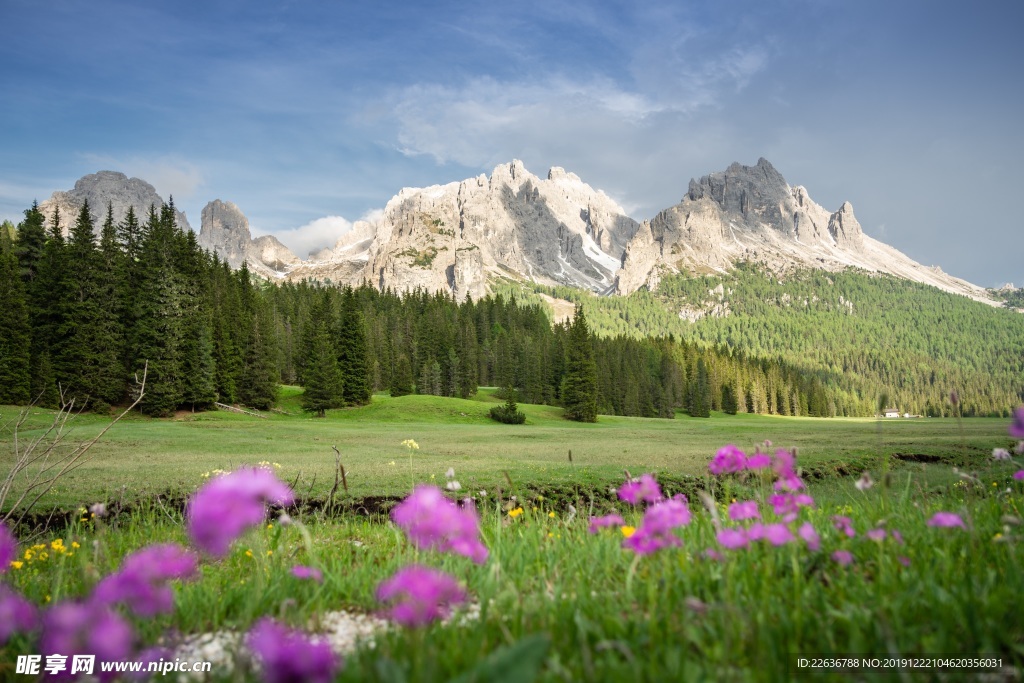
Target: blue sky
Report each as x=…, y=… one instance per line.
x=299, y=111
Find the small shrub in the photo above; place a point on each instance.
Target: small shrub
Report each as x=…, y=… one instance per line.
x=509, y=413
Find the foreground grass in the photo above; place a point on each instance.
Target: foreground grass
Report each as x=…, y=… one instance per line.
x=143, y=457
x=675, y=615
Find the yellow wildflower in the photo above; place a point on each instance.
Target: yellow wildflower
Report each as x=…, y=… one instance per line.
x=47, y=599
x=248, y=553
x=270, y=526
x=411, y=445
x=628, y=531
x=551, y=534
x=515, y=513
x=74, y=544
x=551, y=515
x=269, y=553
x=17, y=565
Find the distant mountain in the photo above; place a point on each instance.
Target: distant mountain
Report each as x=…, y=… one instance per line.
x=101, y=189
x=455, y=237
x=553, y=231
x=225, y=230
x=751, y=214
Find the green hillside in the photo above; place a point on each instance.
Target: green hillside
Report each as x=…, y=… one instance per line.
x=866, y=334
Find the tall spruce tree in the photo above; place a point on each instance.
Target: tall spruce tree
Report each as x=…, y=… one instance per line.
x=401, y=376
x=353, y=360
x=579, y=385
x=15, y=333
x=157, y=335
x=89, y=362
x=323, y=384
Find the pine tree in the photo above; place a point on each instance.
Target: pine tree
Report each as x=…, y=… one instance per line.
x=88, y=363
x=15, y=333
x=353, y=360
x=579, y=385
x=31, y=243
x=401, y=377
x=323, y=382
x=700, y=391
x=157, y=334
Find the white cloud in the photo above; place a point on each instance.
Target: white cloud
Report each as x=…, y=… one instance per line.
x=313, y=236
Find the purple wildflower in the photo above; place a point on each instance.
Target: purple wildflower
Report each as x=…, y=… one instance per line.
x=288, y=656
x=231, y=503
x=876, y=534
x=728, y=459
x=1018, y=475
x=896, y=536
x=141, y=581
x=733, y=539
x=844, y=524
x=71, y=628
x=904, y=560
x=16, y=614
x=420, y=595
x=810, y=536
x=744, y=510
x=1000, y=454
x=434, y=522
x=789, y=483
x=713, y=554
x=655, y=531
x=597, y=523
x=759, y=461
x=301, y=571
x=777, y=534
x=787, y=505
x=783, y=464
x=1017, y=426
x=8, y=547
x=843, y=557
x=756, y=531
x=644, y=489
x=946, y=519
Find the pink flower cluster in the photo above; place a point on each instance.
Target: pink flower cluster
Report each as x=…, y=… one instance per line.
x=141, y=582
x=435, y=523
x=230, y=504
x=656, y=531
x=598, y=523
x=289, y=656
x=642, y=490
x=420, y=595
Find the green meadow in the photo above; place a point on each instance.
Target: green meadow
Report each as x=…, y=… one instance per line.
x=554, y=602
x=140, y=457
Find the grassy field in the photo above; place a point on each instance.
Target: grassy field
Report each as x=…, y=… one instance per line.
x=140, y=457
x=554, y=602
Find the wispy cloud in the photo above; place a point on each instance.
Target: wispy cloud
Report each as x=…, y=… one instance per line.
x=313, y=236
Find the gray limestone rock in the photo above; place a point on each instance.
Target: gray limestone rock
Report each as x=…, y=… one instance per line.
x=102, y=189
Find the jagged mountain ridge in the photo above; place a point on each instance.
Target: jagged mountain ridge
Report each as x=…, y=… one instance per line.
x=455, y=237
x=750, y=213
x=555, y=231
x=102, y=189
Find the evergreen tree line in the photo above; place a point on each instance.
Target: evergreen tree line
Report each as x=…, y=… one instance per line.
x=85, y=320
x=82, y=317
x=861, y=335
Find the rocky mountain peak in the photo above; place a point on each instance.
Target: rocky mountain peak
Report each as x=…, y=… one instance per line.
x=102, y=189
x=225, y=230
